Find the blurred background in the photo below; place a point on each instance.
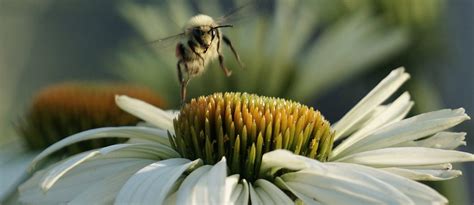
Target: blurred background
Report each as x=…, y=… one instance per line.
x=324, y=53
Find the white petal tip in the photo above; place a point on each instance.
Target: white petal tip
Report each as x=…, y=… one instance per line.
x=44, y=189
x=145, y=111
x=462, y=111
x=223, y=160
x=46, y=185
x=406, y=95
x=401, y=71
x=120, y=98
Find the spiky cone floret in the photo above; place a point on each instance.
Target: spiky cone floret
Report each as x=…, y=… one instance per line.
x=242, y=127
x=67, y=108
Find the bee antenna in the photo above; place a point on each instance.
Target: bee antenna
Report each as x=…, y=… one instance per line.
x=223, y=26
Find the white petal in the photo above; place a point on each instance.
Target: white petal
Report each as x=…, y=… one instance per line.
x=343, y=186
x=186, y=191
x=419, y=193
x=387, y=114
x=349, y=173
x=215, y=184
x=58, y=171
x=146, y=112
x=153, y=183
x=254, y=197
x=275, y=160
x=375, y=97
x=172, y=113
x=310, y=200
x=151, y=134
x=392, y=113
x=423, y=174
x=14, y=160
x=445, y=166
x=441, y=140
x=276, y=194
x=264, y=197
x=364, y=121
x=241, y=193
x=80, y=180
x=409, y=129
x=206, y=186
x=143, y=151
x=407, y=156
x=105, y=190
x=232, y=185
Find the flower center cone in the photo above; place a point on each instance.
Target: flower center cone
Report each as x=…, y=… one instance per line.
x=242, y=127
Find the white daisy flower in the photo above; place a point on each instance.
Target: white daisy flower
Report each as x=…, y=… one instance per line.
x=239, y=148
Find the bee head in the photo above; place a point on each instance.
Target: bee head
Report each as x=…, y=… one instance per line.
x=204, y=35
x=203, y=29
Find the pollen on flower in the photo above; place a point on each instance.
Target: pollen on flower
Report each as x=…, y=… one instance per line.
x=64, y=109
x=242, y=127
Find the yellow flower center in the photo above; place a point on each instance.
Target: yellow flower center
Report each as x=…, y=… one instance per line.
x=242, y=127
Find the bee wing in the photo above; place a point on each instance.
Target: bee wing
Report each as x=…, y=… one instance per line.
x=241, y=13
x=165, y=43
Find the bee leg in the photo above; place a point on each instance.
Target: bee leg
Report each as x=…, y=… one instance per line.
x=193, y=45
x=180, y=72
x=182, y=80
x=184, y=84
x=229, y=43
x=221, y=63
x=221, y=57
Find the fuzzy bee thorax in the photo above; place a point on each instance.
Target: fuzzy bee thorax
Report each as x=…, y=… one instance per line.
x=200, y=20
